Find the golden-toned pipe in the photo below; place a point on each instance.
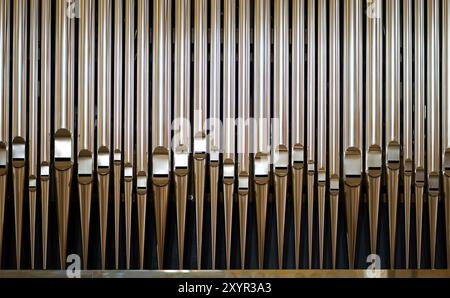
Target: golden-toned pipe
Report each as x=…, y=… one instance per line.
x=214, y=111
x=182, y=105
x=161, y=107
x=408, y=161
x=262, y=114
x=321, y=122
x=118, y=117
x=19, y=110
x=103, y=117
x=374, y=119
x=86, y=120
x=352, y=138
x=311, y=120
x=446, y=118
x=392, y=117
x=200, y=110
x=45, y=125
x=229, y=96
x=281, y=115
x=419, y=119
x=64, y=107
x=5, y=26
x=433, y=112
x=334, y=118
x=142, y=120
x=128, y=116
x=243, y=118
x=33, y=122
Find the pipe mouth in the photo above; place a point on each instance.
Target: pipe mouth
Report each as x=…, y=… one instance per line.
x=393, y=156
x=181, y=157
x=446, y=162
x=311, y=166
x=322, y=176
x=298, y=156
x=433, y=183
x=18, y=152
x=103, y=160
x=85, y=163
x=374, y=161
x=200, y=143
x=243, y=182
x=45, y=170
x=214, y=155
x=262, y=165
x=228, y=171
x=63, y=145
x=117, y=156
x=141, y=182
x=3, y=157
x=161, y=167
x=408, y=167
x=128, y=172
x=334, y=184
x=352, y=163
x=281, y=158
x=32, y=183
x=420, y=176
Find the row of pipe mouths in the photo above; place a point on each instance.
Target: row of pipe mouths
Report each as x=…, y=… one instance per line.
x=349, y=99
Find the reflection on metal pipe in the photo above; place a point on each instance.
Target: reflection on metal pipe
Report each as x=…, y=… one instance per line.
x=281, y=115
x=161, y=107
x=311, y=121
x=374, y=118
x=392, y=117
x=19, y=110
x=64, y=105
x=5, y=18
x=352, y=119
x=408, y=162
x=334, y=134
x=33, y=122
x=86, y=120
x=262, y=115
x=433, y=112
x=229, y=95
x=200, y=101
x=182, y=105
x=142, y=120
x=419, y=120
x=214, y=112
x=446, y=117
x=103, y=117
x=118, y=117
x=243, y=118
x=128, y=116
x=322, y=122
x=46, y=61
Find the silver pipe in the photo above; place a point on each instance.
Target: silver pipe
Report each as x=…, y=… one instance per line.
x=229, y=90
x=215, y=124
x=19, y=111
x=433, y=111
x=321, y=121
x=334, y=118
x=281, y=113
x=243, y=118
x=118, y=117
x=407, y=119
x=419, y=119
x=262, y=98
x=128, y=119
x=5, y=27
x=182, y=105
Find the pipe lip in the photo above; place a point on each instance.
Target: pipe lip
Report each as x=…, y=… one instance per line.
x=352, y=163
x=63, y=145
